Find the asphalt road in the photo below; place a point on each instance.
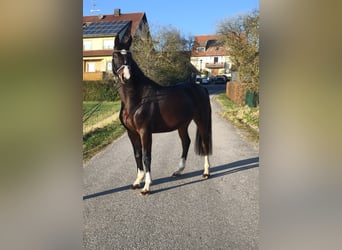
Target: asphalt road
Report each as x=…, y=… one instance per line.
x=187, y=212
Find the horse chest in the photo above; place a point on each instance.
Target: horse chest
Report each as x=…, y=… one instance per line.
x=127, y=120
x=134, y=120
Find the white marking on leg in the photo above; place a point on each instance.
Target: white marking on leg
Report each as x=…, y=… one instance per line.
x=182, y=164
x=181, y=167
x=148, y=181
x=206, y=166
x=139, y=179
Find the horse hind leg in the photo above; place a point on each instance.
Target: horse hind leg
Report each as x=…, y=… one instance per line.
x=205, y=150
x=183, y=134
x=206, y=173
x=180, y=168
x=204, y=145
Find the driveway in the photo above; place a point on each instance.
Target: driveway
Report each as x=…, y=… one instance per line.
x=188, y=212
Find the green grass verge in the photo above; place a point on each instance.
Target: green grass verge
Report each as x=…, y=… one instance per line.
x=96, y=140
x=94, y=112
x=243, y=117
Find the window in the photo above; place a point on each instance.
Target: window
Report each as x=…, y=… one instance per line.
x=108, y=44
x=109, y=66
x=215, y=59
x=200, y=49
x=90, y=67
x=86, y=45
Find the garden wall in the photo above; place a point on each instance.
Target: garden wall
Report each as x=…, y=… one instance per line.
x=237, y=92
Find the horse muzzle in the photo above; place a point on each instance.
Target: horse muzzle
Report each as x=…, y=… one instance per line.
x=124, y=72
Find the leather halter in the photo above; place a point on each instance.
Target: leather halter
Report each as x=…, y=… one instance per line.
x=122, y=52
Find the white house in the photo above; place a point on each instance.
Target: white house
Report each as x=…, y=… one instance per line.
x=208, y=57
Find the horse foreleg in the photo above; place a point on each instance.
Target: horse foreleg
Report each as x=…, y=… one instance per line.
x=139, y=179
x=146, y=155
x=137, y=148
x=140, y=169
x=148, y=179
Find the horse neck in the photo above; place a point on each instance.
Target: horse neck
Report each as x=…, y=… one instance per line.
x=129, y=95
x=132, y=92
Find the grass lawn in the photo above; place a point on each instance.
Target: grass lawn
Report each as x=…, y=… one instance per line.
x=244, y=117
x=94, y=112
x=95, y=140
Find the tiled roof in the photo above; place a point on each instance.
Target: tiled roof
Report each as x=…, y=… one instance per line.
x=109, y=28
x=208, y=42
x=202, y=40
x=97, y=26
x=136, y=19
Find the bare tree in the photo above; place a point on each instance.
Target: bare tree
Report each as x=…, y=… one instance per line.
x=144, y=54
x=241, y=37
x=166, y=59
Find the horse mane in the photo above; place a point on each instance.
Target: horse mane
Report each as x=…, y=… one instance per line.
x=140, y=77
x=143, y=80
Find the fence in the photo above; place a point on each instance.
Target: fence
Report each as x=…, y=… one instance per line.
x=238, y=93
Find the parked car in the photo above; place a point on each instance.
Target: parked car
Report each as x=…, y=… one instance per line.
x=224, y=76
x=202, y=80
x=218, y=80
x=205, y=81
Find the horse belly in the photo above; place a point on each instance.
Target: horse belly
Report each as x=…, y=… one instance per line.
x=173, y=115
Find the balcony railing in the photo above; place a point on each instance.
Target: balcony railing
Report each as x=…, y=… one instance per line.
x=214, y=65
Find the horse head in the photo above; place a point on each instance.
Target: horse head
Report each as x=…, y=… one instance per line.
x=121, y=59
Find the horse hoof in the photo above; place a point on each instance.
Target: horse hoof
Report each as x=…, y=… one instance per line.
x=135, y=186
x=176, y=174
x=145, y=193
x=205, y=176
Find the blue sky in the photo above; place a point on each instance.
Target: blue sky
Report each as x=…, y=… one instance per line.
x=190, y=17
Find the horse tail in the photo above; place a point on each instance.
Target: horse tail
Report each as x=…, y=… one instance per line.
x=203, y=146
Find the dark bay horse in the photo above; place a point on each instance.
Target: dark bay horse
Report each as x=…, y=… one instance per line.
x=147, y=108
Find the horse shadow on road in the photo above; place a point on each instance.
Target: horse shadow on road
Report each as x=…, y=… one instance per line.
x=215, y=172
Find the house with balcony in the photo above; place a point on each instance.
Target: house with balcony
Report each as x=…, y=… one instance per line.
x=99, y=34
x=209, y=58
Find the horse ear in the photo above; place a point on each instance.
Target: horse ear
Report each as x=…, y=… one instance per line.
x=116, y=42
x=129, y=41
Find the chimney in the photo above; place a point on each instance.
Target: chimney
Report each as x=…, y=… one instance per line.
x=117, y=12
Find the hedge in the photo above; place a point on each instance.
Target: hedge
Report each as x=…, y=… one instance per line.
x=100, y=91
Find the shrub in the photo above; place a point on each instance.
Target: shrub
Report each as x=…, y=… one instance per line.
x=104, y=90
